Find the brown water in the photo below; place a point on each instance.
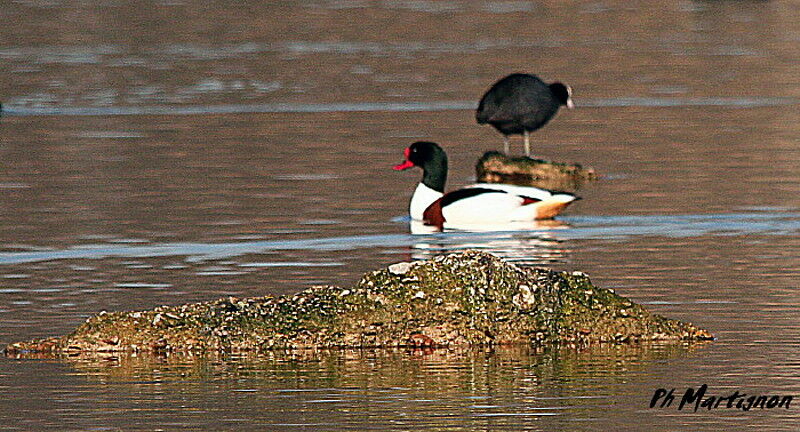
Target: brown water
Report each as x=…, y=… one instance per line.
x=169, y=152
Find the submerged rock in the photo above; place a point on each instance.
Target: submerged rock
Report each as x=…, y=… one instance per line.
x=469, y=298
x=495, y=167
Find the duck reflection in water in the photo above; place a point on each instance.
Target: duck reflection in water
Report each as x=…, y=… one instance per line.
x=530, y=243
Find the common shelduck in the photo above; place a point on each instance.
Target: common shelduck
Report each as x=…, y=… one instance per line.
x=520, y=104
x=482, y=203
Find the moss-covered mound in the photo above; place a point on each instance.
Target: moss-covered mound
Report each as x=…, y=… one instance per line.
x=457, y=299
x=495, y=167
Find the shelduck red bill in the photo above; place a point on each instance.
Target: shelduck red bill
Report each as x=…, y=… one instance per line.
x=407, y=164
x=403, y=166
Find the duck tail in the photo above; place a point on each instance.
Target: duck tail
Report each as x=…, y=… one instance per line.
x=555, y=204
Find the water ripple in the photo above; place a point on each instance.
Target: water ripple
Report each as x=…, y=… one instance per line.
x=274, y=108
x=580, y=227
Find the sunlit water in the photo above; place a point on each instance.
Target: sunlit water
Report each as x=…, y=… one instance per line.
x=185, y=151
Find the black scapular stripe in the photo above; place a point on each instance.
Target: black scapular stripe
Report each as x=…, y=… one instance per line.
x=460, y=194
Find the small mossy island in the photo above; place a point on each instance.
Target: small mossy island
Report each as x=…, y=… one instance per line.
x=495, y=167
x=469, y=298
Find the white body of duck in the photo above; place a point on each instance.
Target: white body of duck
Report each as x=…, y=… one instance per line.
x=482, y=203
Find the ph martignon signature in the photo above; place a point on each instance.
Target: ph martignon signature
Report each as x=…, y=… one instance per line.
x=662, y=398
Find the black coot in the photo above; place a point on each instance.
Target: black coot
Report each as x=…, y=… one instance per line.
x=521, y=103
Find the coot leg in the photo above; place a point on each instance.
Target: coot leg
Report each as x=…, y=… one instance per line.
x=505, y=143
x=527, y=143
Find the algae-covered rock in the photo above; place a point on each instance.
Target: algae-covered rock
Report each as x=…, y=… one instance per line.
x=495, y=167
x=469, y=298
